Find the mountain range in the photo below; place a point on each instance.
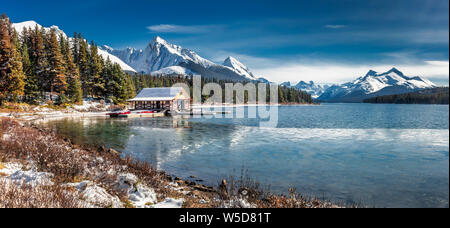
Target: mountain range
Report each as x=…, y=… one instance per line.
x=311, y=88
x=162, y=57
x=375, y=84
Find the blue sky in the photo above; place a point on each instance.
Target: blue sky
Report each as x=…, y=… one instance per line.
x=326, y=40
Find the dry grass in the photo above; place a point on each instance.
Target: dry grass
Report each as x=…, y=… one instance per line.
x=72, y=163
x=249, y=190
x=25, y=196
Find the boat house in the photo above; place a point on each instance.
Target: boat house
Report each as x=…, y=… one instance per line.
x=164, y=99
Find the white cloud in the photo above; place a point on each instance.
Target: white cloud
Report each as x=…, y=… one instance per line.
x=169, y=28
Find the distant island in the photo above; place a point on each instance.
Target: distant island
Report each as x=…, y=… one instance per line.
x=427, y=96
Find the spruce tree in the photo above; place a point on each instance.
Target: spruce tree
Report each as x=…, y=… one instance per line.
x=38, y=58
x=74, y=91
x=56, y=78
x=131, y=89
x=31, y=86
x=83, y=65
x=11, y=74
x=95, y=68
x=75, y=47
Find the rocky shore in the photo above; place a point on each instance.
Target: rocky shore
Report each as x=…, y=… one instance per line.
x=41, y=169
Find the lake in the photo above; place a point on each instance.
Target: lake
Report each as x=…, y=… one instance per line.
x=382, y=155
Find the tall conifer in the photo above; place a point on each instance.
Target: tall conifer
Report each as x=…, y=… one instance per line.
x=56, y=78
x=11, y=73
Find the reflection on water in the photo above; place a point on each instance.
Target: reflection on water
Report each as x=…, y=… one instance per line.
x=384, y=167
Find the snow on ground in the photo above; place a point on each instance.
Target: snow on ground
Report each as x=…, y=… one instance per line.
x=140, y=196
x=9, y=168
x=92, y=194
x=238, y=203
x=96, y=196
x=89, y=105
x=32, y=178
x=15, y=173
x=169, y=203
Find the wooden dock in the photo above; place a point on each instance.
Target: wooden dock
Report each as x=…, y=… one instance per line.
x=200, y=113
x=144, y=115
x=137, y=114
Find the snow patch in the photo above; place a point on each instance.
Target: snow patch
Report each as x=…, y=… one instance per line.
x=14, y=172
x=99, y=197
x=139, y=195
x=89, y=105
x=237, y=203
x=169, y=203
x=10, y=168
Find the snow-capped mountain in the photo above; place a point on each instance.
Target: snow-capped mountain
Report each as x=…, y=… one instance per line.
x=311, y=88
x=374, y=84
x=32, y=24
x=239, y=67
x=161, y=57
x=158, y=55
x=19, y=27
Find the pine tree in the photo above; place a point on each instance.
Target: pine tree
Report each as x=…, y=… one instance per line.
x=38, y=58
x=131, y=89
x=75, y=48
x=83, y=65
x=74, y=91
x=96, y=81
x=11, y=74
x=56, y=78
x=121, y=93
x=31, y=86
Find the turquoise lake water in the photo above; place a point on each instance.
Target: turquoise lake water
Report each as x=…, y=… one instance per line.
x=376, y=155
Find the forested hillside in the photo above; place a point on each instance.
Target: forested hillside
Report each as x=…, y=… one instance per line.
x=39, y=65
x=285, y=95
x=428, y=96
x=44, y=65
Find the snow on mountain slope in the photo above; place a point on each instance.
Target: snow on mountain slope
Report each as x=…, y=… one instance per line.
x=115, y=59
x=374, y=84
x=311, y=88
x=158, y=55
x=19, y=27
x=179, y=70
x=32, y=24
x=239, y=68
x=162, y=57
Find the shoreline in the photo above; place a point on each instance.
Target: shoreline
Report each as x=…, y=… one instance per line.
x=45, y=114
x=110, y=185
